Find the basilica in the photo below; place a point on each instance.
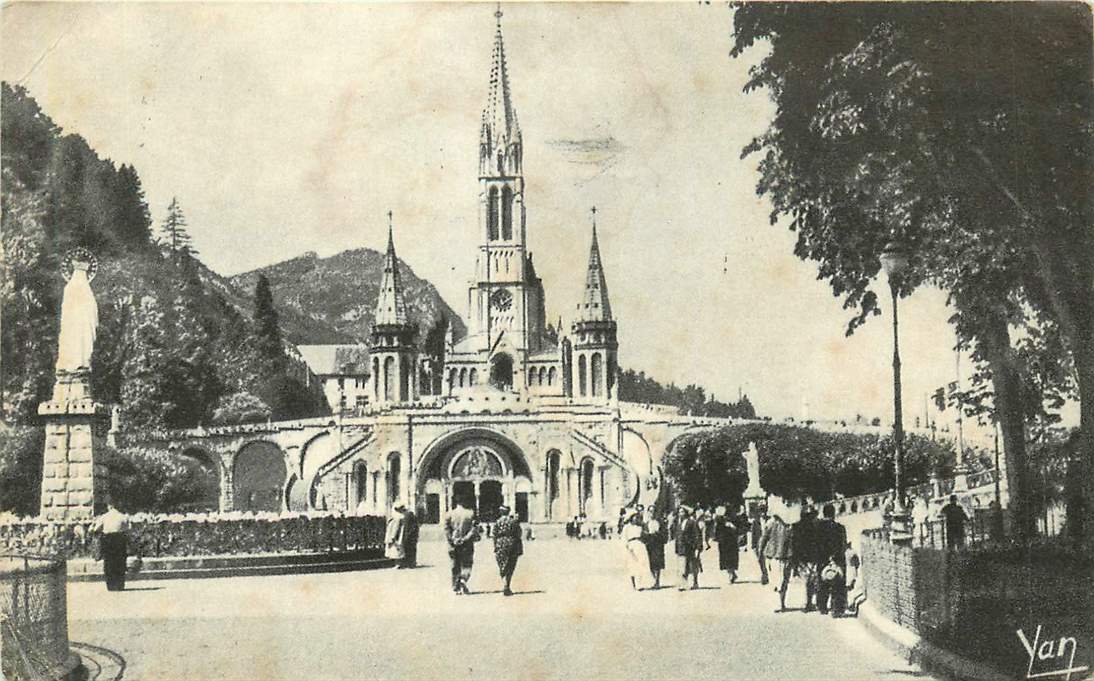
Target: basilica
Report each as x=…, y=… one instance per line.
x=512, y=414
x=507, y=347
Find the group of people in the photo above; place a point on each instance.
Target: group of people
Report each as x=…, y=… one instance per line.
x=582, y=527
x=814, y=549
x=462, y=531
x=644, y=537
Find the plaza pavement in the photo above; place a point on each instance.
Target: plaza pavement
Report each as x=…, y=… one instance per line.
x=575, y=617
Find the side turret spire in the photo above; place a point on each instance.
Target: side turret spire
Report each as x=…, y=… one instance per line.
x=594, y=305
x=390, y=306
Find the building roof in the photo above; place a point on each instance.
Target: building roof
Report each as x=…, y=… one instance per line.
x=335, y=360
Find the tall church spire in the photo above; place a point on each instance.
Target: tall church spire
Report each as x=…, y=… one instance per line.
x=500, y=138
x=594, y=305
x=390, y=307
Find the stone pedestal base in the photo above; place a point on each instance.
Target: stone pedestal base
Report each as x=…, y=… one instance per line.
x=71, y=419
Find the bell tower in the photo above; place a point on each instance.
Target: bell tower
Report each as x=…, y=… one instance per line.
x=595, y=363
x=506, y=297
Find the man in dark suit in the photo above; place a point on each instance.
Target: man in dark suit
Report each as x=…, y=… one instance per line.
x=832, y=547
x=410, y=539
x=461, y=530
x=803, y=542
x=689, y=546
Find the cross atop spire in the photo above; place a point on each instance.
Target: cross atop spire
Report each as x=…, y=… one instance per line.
x=500, y=130
x=390, y=307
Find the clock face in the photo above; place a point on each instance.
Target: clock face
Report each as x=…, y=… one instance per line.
x=501, y=300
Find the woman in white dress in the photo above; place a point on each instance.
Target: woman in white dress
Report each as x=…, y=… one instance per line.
x=393, y=537
x=638, y=565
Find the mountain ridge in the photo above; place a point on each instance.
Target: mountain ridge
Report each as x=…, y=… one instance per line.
x=338, y=293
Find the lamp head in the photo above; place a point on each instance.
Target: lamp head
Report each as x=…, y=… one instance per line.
x=894, y=258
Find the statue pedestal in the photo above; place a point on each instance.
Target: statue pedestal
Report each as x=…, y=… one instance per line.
x=754, y=495
x=71, y=419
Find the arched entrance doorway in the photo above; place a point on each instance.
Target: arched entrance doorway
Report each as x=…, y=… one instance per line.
x=501, y=371
x=258, y=477
x=480, y=467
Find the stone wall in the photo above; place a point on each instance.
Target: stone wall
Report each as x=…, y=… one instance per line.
x=974, y=600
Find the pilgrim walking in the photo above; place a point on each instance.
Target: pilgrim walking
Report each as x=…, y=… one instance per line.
x=410, y=539
x=726, y=533
x=653, y=534
x=689, y=546
x=638, y=565
x=461, y=531
x=508, y=545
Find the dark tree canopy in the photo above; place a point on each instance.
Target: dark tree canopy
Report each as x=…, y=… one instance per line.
x=964, y=129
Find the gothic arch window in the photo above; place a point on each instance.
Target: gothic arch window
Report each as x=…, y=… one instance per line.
x=588, y=470
x=581, y=383
x=463, y=377
x=360, y=480
x=389, y=379
x=551, y=376
x=492, y=213
x=453, y=376
x=473, y=377
x=376, y=376
x=597, y=375
x=394, y=477
x=554, y=463
x=506, y=213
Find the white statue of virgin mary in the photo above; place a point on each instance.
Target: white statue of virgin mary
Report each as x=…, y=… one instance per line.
x=79, y=320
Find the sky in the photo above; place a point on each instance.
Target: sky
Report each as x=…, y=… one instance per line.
x=287, y=128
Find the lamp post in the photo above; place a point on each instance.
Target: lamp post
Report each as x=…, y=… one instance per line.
x=894, y=260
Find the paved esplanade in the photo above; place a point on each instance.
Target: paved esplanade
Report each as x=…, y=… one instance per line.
x=575, y=617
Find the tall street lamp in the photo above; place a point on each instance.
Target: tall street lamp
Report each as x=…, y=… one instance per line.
x=894, y=260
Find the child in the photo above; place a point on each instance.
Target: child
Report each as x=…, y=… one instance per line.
x=855, y=597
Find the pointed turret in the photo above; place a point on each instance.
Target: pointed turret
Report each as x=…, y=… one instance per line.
x=500, y=139
x=594, y=305
x=390, y=307
x=594, y=364
x=393, y=352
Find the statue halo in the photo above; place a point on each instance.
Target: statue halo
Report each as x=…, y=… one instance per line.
x=79, y=256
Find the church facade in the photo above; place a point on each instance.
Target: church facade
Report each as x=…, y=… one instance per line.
x=519, y=416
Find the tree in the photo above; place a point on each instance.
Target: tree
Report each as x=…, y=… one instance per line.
x=267, y=331
x=133, y=223
x=240, y=408
x=965, y=130
x=174, y=237
x=708, y=468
